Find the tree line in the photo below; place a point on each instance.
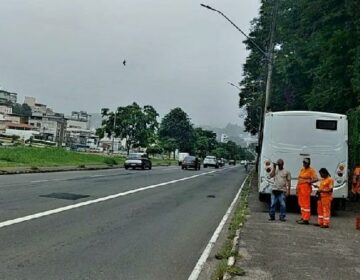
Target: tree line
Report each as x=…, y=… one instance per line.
x=140, y=128
x=316, y=60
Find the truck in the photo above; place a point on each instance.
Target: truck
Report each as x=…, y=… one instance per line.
x=181, y=157
x=294, y=135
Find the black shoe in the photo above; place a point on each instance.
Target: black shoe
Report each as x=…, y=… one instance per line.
x=317, y=225
x=302, y=222
x=272, y=219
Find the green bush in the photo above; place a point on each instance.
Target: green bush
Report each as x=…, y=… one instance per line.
x=110, y=161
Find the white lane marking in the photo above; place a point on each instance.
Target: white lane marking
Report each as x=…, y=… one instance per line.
x=45, y=180
x=39, y=181
x=172, y=168
x=101, y=199
x=199, y=265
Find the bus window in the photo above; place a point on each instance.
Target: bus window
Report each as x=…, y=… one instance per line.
x=326, y=124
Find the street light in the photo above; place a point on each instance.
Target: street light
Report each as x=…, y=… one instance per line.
x=268, y=55
x=232, y=84
x=242, y=114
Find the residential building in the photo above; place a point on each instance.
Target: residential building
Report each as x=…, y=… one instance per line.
x=36, y=107
x=224, y=138
x=50, y=127
x=5, y=109
x=6, y=97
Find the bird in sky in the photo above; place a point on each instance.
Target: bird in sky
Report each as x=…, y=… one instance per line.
x=124, y=62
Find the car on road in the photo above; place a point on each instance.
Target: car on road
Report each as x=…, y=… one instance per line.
x=181, y=157
x=211, y=161
x=191, y=162
x=232, y=162
x=138, y=160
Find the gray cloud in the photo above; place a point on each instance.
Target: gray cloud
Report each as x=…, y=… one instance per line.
x=68, y=54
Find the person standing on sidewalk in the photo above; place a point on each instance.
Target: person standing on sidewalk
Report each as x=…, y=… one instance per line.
x=281, y=189
x=307, y=176
x=324, y=198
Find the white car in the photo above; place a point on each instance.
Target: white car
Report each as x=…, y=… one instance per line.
x=211, y=161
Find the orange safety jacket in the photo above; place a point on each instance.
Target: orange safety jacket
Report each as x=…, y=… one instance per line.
x=326, y=187
x=306, y=176
x=356, y=181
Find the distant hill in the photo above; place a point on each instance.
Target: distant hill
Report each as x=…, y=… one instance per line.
x=235, y=132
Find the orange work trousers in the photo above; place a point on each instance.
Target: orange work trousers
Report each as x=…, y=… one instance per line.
x=304, y=193
x=323, y=209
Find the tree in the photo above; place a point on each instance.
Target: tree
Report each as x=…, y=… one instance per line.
x=205, y=141
x=154, y=150
x=22, y=110
x=316, y=61
x=176, y=131
x=134, y=124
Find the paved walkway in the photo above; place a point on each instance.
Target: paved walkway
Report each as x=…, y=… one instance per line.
x=278, y=250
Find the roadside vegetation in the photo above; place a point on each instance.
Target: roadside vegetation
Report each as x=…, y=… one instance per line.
x=34, y=158
x=237, y=221
x=51, y=157
x=316, y=65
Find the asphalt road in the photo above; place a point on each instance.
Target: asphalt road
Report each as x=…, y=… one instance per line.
x=157, y=231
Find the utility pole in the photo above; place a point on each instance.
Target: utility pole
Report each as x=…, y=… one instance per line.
x=270, y=60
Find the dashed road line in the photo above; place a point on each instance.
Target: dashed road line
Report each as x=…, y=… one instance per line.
x=98, y=200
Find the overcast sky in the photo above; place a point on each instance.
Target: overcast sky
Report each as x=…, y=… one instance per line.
x=68, y=54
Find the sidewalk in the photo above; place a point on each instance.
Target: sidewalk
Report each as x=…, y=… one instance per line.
x=278, y=250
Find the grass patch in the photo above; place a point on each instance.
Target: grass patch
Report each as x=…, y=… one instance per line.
x=50, y=157
x=110, y=161
x=162, y=162
x=236, y=271
x=225, y=251
x=237, y=221
x=220, y=271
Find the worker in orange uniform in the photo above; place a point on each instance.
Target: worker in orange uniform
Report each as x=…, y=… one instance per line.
x=356, y=181
x=307, y=176
x=324, y=198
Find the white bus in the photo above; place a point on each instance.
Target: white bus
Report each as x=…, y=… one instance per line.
x=294, y=135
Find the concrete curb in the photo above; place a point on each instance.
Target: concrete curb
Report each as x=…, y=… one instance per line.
x=63, y=169
x=231, y=260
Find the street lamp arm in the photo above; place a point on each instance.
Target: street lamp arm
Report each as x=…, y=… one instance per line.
x=238, y=28
x=232, y=84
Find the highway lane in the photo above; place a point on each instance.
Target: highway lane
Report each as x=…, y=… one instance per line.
x=157, y=233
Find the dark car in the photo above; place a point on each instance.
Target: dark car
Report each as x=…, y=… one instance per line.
x=190, y=162
x=221, y=162
x=232, y=162
x=138, y=160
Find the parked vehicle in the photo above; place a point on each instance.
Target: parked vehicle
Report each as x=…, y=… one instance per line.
x=181, y=157
x=138, y=160
x=211, y=161
x=293, y=135
x=191, y=162
x=232, y=162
